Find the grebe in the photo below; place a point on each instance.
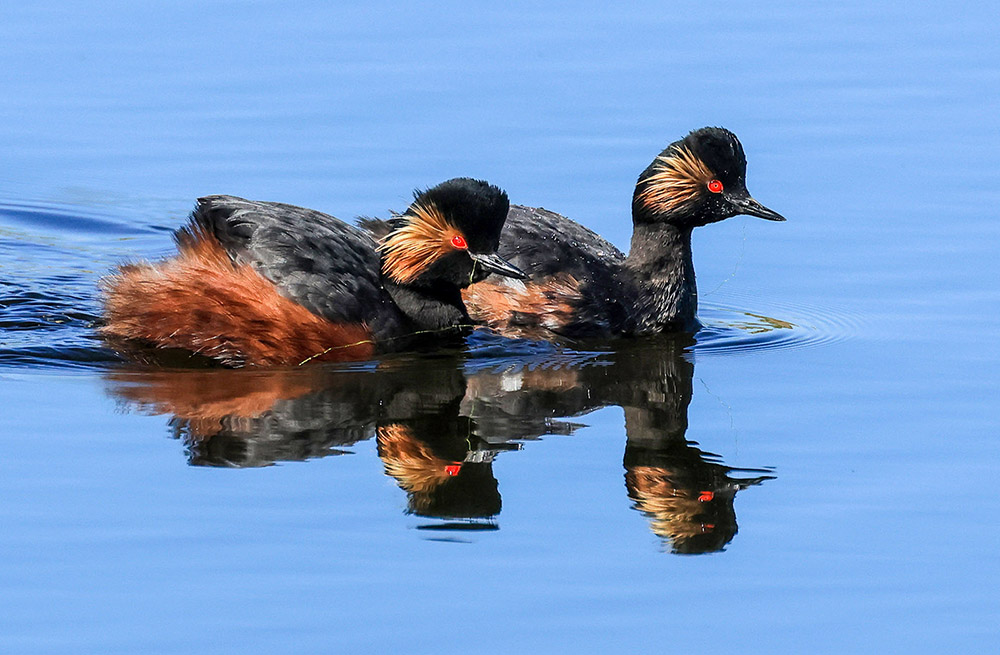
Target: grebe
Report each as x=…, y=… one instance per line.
x=582, y=286
x=268, y=284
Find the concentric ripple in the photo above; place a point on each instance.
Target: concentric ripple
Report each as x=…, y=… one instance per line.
x=741, y=327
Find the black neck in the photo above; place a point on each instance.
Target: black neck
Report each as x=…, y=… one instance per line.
x=660, y=260
x=430, y=307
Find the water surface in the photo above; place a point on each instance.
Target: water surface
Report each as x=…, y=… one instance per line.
x=812, y=472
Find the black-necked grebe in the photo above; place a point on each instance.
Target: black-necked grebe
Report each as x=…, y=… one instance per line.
x=581, y=285
x=269, y=284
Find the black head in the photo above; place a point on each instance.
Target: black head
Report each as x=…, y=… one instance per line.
x=698, y=180
x=449, y=233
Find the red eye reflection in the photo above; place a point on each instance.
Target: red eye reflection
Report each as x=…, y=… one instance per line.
x=459, y=242
x=715, y=186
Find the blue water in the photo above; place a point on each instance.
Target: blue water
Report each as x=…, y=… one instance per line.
x=814, y=473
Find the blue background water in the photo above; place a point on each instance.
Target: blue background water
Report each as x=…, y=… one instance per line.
x=872, y=126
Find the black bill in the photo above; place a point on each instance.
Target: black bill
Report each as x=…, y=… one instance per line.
x=496, y=264
x=750, y=207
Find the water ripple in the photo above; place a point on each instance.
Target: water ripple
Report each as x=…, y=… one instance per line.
x=51, y=258
x=730, y=329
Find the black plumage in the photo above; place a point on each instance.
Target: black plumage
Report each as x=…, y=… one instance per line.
x=582, y=286
x=327, y=266
x=263, y=283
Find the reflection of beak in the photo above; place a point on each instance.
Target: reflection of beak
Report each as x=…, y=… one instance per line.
x=494, y=263
x=750, y=207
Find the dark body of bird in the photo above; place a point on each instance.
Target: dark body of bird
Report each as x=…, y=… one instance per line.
x=263, y=283
x=583, y=286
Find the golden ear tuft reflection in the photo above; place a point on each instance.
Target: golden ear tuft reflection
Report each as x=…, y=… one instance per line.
x=690, y=520
x=456, y=484
x=411, y=462
x=674, y=512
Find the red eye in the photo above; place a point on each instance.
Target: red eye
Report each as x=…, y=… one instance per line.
x=715, y=186
x=459, y=242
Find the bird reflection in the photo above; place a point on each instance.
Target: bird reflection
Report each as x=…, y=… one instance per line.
x=439, y=423
x=686, y=493
x=443, y=475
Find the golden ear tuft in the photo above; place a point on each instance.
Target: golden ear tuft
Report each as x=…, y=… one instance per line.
x=678, y=180
x=409, y=250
